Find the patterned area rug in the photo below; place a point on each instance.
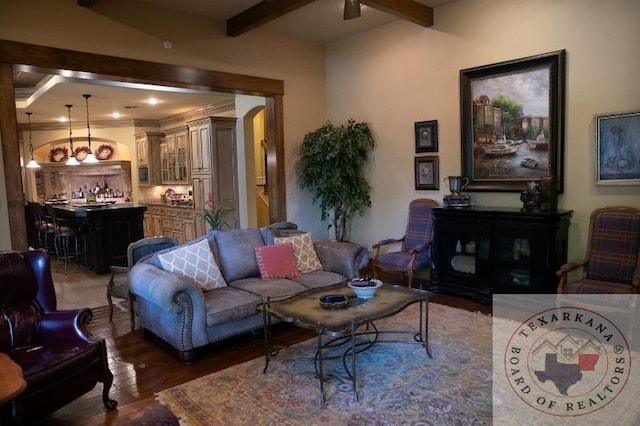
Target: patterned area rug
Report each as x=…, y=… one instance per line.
x=397, y=383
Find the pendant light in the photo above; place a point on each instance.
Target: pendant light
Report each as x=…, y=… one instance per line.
x=32, y=163
x=72, y=156
x=90, y=158
x=351, y=9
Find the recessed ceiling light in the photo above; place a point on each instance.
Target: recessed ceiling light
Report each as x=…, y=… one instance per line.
x=116, y=114
x=153, y=101
x=63, y=119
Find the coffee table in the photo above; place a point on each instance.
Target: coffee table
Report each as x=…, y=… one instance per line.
x=345, y=325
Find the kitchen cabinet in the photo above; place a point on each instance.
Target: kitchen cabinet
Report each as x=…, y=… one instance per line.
x=174, y=157
x=200, y=143
x=480, y=251
x=148, y=157
x=214, y=168
x=202, y=186
x=170, y=221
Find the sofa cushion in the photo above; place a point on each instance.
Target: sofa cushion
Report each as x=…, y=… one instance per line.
x=306, y=257
x=318, y=279
x=228, y=304
x=276, y=289
x=279, y=229
x=276, y=261
x=237, y=257
x=194, y=261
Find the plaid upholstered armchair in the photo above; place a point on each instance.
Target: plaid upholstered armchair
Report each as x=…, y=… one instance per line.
x=611, y=266
x=415, y=249
x=612, y=261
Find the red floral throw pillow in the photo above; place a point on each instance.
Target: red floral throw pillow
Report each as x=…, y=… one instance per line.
x=276, y=261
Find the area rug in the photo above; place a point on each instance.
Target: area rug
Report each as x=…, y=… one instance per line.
x=397, y=383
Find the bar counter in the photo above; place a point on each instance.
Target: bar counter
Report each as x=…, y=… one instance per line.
x=108, y=228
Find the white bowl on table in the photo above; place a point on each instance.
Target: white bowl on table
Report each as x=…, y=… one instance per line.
x=364, y=288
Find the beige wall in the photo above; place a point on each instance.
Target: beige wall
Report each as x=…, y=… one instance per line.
x=390, y=77
x=401, y=73
x=133, y=29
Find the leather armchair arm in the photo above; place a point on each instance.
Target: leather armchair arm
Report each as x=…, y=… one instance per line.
x=66, y=325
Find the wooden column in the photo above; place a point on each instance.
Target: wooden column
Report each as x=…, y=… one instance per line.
x=11, y=160
x=275, y=159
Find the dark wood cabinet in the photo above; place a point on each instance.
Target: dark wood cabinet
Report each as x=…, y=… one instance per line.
x=480, y=251
x=108, y=229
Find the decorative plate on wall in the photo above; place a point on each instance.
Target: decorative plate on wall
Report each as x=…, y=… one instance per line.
x=81, y=152
x=104, y=152
x=58, y=154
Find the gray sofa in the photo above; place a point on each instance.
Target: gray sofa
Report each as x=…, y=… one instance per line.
x=178, y=311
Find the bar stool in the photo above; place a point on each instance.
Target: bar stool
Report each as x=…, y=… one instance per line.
x=63, y=232
x=42, y=224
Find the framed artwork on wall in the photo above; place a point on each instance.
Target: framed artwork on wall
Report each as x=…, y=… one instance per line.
x=426, y=172
x=618, y=148
x=512, y=116
x=426, y=134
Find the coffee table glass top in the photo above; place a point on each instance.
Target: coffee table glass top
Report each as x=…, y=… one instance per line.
x=305, y=311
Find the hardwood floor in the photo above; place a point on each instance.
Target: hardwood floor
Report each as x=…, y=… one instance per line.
x=142, y=367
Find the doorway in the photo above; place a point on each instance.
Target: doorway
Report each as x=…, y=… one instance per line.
x=92, y=66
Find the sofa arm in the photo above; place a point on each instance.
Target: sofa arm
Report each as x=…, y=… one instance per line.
x=177, y=303
x=161, y=287
x=342, y=257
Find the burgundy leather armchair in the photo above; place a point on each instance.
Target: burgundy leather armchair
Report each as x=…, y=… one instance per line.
x=59, y=358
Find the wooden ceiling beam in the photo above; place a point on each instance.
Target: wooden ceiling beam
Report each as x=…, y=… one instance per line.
x=86, y=3
x=410, y=10
x=260, y=14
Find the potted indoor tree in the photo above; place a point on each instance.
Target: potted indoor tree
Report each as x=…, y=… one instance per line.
x=332, y=159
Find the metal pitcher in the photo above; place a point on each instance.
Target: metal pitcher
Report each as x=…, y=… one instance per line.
x=457, y=183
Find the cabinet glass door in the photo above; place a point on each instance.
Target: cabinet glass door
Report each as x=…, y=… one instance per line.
x=512, y=273
x=462, y=256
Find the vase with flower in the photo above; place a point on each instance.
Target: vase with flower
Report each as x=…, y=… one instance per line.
x=214, y=217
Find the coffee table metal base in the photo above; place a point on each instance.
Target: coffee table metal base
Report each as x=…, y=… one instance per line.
x=357, y=335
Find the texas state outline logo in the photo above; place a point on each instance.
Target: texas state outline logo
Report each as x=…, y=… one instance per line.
x=567, y=361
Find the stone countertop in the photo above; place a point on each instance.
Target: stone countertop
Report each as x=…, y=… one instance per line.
x=161, y=204
x=81, y=210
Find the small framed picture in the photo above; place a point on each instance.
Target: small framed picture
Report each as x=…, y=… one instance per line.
x=426, y=172
x=618, y=148
x=426, y=136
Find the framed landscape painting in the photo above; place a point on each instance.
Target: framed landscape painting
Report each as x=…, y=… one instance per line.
x=618, y=148
x=512, y=116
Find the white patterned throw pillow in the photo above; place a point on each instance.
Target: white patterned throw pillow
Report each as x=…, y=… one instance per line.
x=194, y=261
x=304, y=251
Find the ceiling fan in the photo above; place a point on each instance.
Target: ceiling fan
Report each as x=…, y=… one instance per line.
x=269, y=10
x=351, y=9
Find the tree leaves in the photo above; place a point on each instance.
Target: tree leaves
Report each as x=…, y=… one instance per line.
x=332, y=159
